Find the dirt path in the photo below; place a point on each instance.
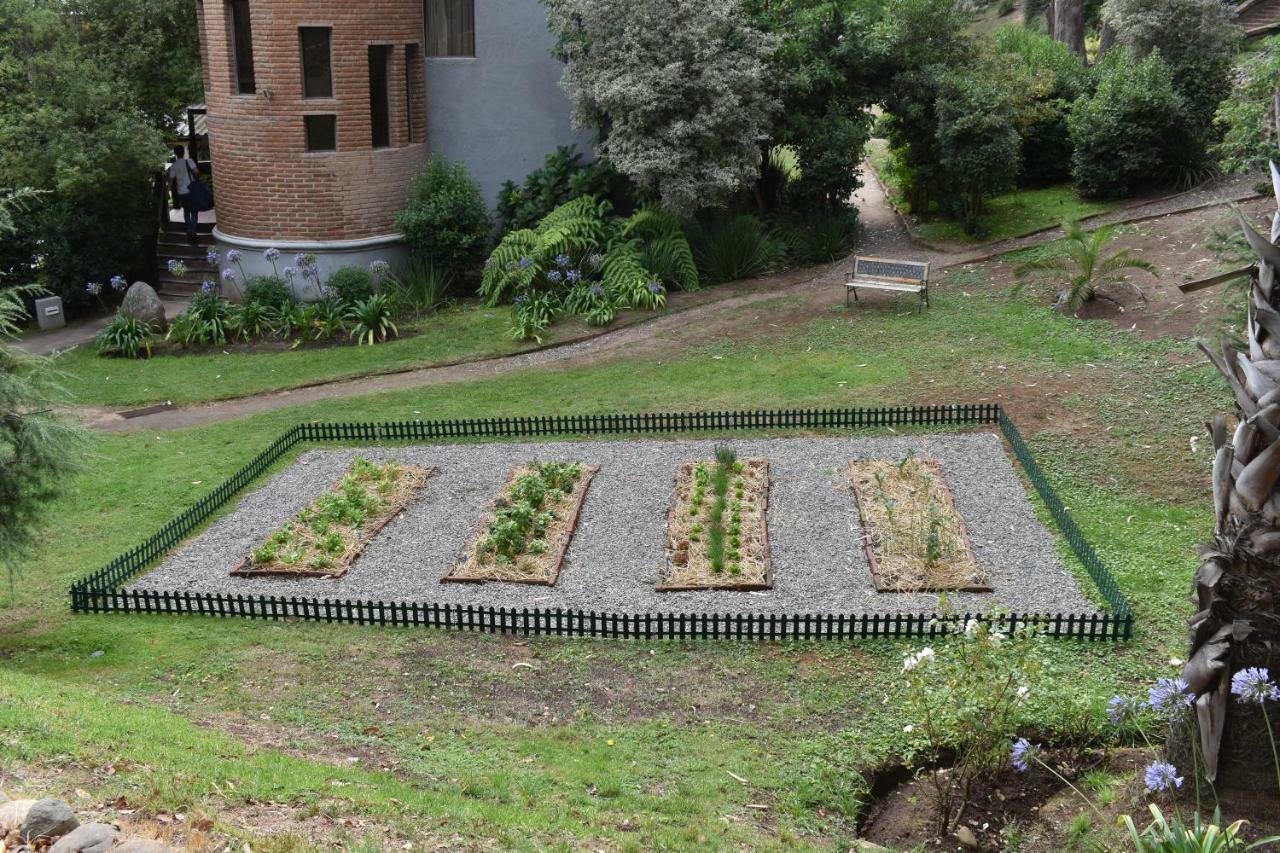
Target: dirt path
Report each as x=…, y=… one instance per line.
x=883, y=234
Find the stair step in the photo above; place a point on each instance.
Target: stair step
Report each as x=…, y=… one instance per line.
x=181, y=228
x=176, y=286
x=191, y=254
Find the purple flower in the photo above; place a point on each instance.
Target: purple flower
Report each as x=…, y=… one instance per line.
x=563, y=261
x=233, y=256
x=93, y=288
x=209, y=286
x=271, y=254
x=1122, y=709
x=1254, y=685
x=1024, y=752
x=177, y=267
x=489, y=262
x=1170, y=698
x=595, y=260
x=228, y=274
x=311, y=271
x=573, y=276
x=521, y=300
x=379, y=268
x=300, y=259
x=212, y=257
x=555, y=276
x=655, y=287
x=289, y=273
x=525, y=263
x=118, y=282
x=597, y=290
x=1162, y=776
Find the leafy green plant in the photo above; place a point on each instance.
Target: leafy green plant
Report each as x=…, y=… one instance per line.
x=1165, y=836
x=563, y=176
x=269, y=292
x=350, y=284
x=527, y=509
x=818, y=238
x=325, y=319
x=127, y=337
x=422, y=286
x=206, y=322
x=373, y=319
x=445, y=219
x=252, y=320
x=1081, y=268
x=1247, y=143
x=734, y=248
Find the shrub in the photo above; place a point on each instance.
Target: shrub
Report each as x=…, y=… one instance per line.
x=562, y=177
x=251, y=320
x=127, y=337
x=269, y=292
x=422, y=286
x=445, y=220
x=350, y=284
x=1244, y=117
x=1055, y=79
x=206, y=322
x=818, y=238
x=680, y=89
x=1130, y=130
x=733, y=248
x=978, y=145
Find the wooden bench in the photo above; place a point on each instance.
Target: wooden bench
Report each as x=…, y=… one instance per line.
x=891, y=275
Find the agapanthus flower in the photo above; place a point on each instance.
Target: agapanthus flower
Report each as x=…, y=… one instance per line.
x=1254, y=685
x=229, y=274
x=655, y=287
x=289, y=273
x=311, y=271
x=93, y=288
x=521, y=300
x=555, y=276
x=177, y=267
x=1024, y=752
x=1122, y=709
x=379, y=268
x=1162, y=776
x=1169, y=697
x=597, y=290
x=300, y=259
x=208, y=286
x=923, y=657
x=118, y=282
x=272, y=254
x=525, y=263
x=596, y=260
x=573, y=276
x=233, y=256
x=563, y=261
x=211, y=257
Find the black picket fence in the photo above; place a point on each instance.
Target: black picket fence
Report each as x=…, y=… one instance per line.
x=100, y=593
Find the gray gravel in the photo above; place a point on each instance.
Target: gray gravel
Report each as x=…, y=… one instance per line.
x=616, y=553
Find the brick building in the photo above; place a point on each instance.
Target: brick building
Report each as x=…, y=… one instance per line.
x=320, y=112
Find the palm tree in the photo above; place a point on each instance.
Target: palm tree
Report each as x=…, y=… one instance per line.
x=1238, y=583
x=1080, y=268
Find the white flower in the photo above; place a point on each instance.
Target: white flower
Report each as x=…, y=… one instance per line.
x=908, y=728
x=1023, y=692
x=997, y=638
x=924, y=656
x=1176, y=663
x=971, y=628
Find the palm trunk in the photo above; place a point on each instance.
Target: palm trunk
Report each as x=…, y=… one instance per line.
x=1238, y=583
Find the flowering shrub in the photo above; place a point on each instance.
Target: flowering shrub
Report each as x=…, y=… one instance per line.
x=964, y=697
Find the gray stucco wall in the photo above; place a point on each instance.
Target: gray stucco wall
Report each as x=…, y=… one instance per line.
x=502, y=112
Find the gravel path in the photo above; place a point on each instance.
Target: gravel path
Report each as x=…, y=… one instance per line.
x=616, y=553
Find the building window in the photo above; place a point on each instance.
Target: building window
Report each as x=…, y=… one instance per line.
x=317, y=70
x=322, y=132
x=451, y=27
x=411, y=73
x=241, y=46
x=379, y=96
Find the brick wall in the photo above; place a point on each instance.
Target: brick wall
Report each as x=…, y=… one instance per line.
x=268, y=186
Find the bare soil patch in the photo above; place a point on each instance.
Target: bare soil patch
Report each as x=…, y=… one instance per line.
x=737, y=518
x=535, y=565
x=324, y=539
x=916, y=540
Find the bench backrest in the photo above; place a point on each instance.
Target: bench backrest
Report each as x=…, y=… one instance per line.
x=891, y=270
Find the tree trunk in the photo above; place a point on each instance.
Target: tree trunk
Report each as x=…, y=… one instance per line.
x=1050, y=17
x=1106, y=40
x=1068, y=24
x=1238, y=584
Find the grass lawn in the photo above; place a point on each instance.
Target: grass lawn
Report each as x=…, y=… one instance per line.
x=1012, y=214
x=459, y=333
x=373, y=736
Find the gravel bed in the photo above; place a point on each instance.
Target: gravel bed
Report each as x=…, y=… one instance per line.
x=613, y=562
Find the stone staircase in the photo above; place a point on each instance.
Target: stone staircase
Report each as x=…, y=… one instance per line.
x=172, y=245
x=1259, y=17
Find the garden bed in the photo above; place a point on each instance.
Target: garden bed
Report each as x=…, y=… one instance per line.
x=528, y=530
x=328, y=536
x=915, y=539
x=717, y=527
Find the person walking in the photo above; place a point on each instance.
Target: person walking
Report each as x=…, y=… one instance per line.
x=182, y=173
